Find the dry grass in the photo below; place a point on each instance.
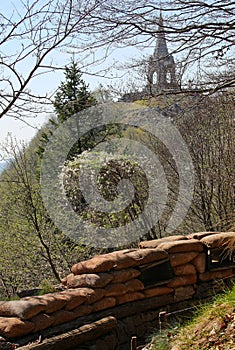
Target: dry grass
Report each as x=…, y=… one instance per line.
x=212, y=328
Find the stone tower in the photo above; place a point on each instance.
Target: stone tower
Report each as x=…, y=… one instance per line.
x=161, y=64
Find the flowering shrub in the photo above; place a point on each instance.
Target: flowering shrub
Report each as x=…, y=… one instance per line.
x=105, y=176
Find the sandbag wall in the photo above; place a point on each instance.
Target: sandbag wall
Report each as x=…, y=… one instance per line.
x=159, y=274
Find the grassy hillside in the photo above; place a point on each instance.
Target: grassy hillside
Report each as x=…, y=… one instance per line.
x=212, y=327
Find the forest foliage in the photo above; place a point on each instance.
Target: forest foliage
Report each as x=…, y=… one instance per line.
x=32, y=247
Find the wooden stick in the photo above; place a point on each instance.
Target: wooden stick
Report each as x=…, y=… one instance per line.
x=163, y=320
x=133, y=343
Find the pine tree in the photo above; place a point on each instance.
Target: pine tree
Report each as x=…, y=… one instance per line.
x=72, y=95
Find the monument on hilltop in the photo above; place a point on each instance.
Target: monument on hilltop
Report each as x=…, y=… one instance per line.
x=161, y=67
x=161, y=75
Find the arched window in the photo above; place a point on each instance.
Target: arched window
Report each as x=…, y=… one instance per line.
x=155, y=78
x=168, y=77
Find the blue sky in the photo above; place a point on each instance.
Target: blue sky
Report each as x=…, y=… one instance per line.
x=49, y=82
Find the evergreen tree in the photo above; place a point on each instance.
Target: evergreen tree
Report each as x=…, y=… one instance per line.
x=72, y=95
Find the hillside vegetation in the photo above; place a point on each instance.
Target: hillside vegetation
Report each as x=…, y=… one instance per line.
x=33, y=251
x=212, y=327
